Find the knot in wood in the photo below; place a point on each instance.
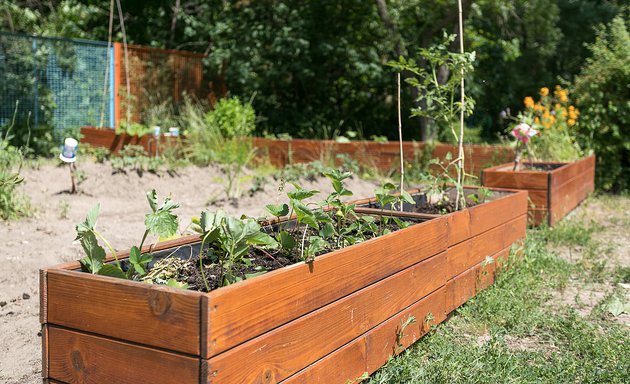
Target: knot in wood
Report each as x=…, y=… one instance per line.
x=77, y=361
x=268, y=377
x=159, y=302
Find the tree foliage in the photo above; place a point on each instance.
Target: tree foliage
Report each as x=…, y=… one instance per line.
x=603, y=92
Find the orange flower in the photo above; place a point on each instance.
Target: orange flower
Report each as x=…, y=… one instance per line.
x=557, y=106
x=544, y=91
x=571, y=122
x=529, y=102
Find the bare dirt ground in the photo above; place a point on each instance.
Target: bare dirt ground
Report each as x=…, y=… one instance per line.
x=610, y=216
x=47, y=238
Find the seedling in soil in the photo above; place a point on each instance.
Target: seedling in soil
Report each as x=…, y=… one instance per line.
x=160, y=222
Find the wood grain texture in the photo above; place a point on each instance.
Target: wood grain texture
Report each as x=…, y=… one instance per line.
x=43, y=296
x=564, y=174
x=370, y=351
x=282, y=352
x=537, y=198
x=475, y=250
x=484, y=217
x=567, y=196
x=383, y=156
x=153, y=315
x=345, y=364
x=247, y=309
x=458, y=227
x=389, y=338
x=466, y=285
x=502, y=176
x=81, y=358
x=537, y=216
x=45, y=355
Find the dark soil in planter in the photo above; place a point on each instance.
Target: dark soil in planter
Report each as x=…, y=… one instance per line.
x=443, y=207
x=539, y=166
x=182, y=264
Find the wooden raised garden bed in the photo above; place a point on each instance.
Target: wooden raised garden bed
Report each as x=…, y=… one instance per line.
x=107, y=138
x=554, y=189
x=324, y=322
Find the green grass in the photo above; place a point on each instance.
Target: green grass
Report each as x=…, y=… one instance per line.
x=516, y=331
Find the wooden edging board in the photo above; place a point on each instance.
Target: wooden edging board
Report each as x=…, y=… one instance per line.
x=552, y=193
x=281, y=323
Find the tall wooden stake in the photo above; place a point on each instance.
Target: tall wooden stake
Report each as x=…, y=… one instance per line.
x=400, y=140
x=460, y=170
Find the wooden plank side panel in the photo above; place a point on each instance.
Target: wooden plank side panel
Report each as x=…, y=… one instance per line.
x=282, y=352
x=77, y=357
x=468, y=284
x=503, y=177
x=537, y=216
x=343, y=365
x=390, y=338
x=245, y=310
x=45, y=354
x=567, y=196
x=486, y=216
x=370, y=351
x=465, y=255
x=459, y=227
x=537, y=198
x=564, y=174
x=147, y=314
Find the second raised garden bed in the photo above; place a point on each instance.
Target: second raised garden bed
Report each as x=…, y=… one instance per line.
x=328, y=321
x=555, y=189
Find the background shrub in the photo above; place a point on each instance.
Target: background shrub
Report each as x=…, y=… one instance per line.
x=602, y=90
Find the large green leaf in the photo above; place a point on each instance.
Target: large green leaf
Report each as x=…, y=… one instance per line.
x=278, y=209
x=161, y=223
x=95, y=254
x=112, y=271
x=89, y=223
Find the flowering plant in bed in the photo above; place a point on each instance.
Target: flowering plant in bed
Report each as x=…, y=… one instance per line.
x=552, y=119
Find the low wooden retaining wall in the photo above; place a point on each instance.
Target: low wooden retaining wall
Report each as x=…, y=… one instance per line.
x=552, y=193
x=382, y=156
x=323, y=322
x=107, y=138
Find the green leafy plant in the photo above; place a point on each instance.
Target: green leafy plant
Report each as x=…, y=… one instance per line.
x=480, y=195
x=437, y=99
x=227, y=241
x=161, y=222
x=602, y=94
x=12, y=203
x=386, y=197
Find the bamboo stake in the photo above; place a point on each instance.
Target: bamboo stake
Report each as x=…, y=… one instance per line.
x=124, y=34
x=400, y=140
x=109, y=58
x=460, y=170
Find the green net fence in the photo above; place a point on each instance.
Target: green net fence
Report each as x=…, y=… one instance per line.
x=61, y=83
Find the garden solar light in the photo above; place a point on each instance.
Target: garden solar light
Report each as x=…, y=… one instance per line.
x=69, y=150
x=69, y=155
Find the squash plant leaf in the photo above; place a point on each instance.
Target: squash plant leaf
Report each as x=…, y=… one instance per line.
x=112, y=271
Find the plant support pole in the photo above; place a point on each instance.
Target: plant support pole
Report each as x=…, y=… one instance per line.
x=460, y=170
x=400, y=140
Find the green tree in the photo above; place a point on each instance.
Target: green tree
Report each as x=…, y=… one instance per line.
x=602, y=90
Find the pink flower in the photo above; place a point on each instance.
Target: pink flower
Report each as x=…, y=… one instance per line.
x=524, y=132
